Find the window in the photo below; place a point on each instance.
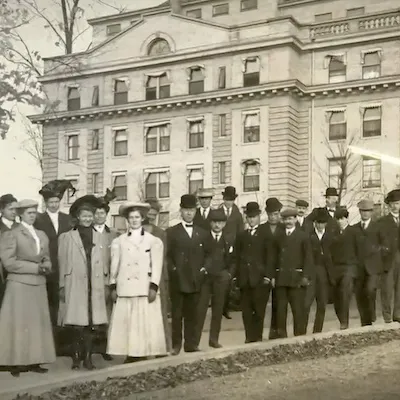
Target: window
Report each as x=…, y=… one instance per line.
x=157, y=87
x=120, y=91
x=158, y=139
x=158, y=47
x=72, y=197
x=196, y=13
x=74, y=99
x=157, y=185
x=251, y=74
x=222, y=78
x=120, y=187
x=113, y=29
x=323, y=17
x=337, y=178
x=222, y=125
x=372, y=119
x=163, y=219
x=95, y=182
x=337, y=69
x=196, y=80
x=337, y=125
x=119, y=223
x=196, y=134
x=196, y=180
x=222, y=172
x=355, y=12
x=220, y=9
x=371, y=172
x=73, y=147
x=371, y=65
x=251, y=176
x=95, y=139
x=120, y=142
x=246, y=5
x=251, y=130
x=95, y=96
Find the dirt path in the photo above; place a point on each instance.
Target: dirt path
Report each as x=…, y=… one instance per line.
x=369, y=374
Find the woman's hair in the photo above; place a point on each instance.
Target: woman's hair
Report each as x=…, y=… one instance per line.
x=140, y=210
x=84, y=207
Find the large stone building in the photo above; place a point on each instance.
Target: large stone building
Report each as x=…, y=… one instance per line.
x=265, y=95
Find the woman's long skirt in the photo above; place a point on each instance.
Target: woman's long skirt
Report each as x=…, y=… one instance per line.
x=136, y=328
x=25, y=327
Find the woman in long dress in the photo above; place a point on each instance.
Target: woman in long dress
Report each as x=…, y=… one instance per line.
x=83, y=281
x=26, y=335
x=136, y=327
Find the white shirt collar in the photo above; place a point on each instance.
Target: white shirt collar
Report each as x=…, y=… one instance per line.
x=253, y=228
x=27, y=226
x=100, y=228
x=395, y=215
x=215, y=234
x=366, y=223
x=7, y=222
x=318, y=233
x=52, y=214
x=291, y=230
x=206, y=210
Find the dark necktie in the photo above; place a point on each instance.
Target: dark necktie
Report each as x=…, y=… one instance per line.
x=189, y=225
x=204, y=214
x=364, y=225
x=288, y=233
x=216, y=237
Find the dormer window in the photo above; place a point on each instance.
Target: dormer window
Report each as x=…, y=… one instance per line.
x=113, y=29
x=159, y=47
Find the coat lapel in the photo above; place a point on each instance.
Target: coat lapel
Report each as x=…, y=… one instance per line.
x=30, y=238
x=78, y=241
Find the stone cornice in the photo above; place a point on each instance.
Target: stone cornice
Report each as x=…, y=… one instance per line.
x=291, y=87
x=294, y=3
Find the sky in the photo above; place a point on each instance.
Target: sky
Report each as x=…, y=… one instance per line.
x=19, y=172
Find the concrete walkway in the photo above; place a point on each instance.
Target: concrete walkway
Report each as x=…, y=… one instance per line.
x=232, y=338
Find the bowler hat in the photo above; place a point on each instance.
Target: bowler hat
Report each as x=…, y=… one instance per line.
x=7, y=199
x=365, y=205
x=229, y=193
x=85, y=201
x=341, y=212
x=301, y=203
x=125, y=208
x=331, y=192
x=188, y=201
x=205, y=193
x=393, y=195
x=272, y=205
x=27, y=203
x=252, y=209
x=321, y=215
x=217, y=215
x=289, y=212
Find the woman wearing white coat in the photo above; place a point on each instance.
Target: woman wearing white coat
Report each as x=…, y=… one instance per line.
x=136, y=327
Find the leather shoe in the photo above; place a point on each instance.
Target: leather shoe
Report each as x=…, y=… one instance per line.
x=226, y=315
x=38, y=369
x=215, y=345
x=175, y=352
x=106, y=357
x=192, y=350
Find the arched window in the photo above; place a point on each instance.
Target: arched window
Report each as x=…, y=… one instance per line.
x=158, y=47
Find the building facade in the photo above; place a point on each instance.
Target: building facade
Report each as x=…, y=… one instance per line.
x=270, y=96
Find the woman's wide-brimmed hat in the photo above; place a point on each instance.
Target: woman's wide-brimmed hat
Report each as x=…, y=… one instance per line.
x=125, y=208
x=85, y=201
x=56, y=188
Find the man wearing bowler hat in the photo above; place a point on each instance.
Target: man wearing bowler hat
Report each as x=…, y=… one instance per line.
x=219, y=274
x=254, y=273
x=293, y=274
x=390, y=279
x=272, y=228
x=302, y=222
x=187, y=258
x=202, y=217
x=319, y=288
x=369, y=243
x=331, y=200
x=234, y=225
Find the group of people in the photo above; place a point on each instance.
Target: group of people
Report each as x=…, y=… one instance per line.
x=71, y=285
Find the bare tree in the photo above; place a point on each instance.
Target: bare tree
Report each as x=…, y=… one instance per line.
x=33, y=143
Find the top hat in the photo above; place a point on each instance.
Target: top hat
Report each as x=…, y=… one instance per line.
x=272, y=205
x=331, y=192
x=188, y=201
x=393, y=195
x=85, y=201
x=365, y=205
x=289, y=212
x=7, y=199
x=321, y=215
x=217, y=215
x=205, y=193
x=56, y=188
x=302, y=203
x=229, y=193
x=252, y=209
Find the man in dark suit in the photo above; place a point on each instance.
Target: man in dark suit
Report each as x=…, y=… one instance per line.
x=8, y=212
x=390, y=279
x=369, y=242
x=319, y=288
x=219, y=274
x=331, y=204
x=293, y=274
x=345, y=261
x=272, y=229
x=254, y=273
x=202, y=217
x=187, y=255
x=234, y=225
x=302, y=222
x=53, y=223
